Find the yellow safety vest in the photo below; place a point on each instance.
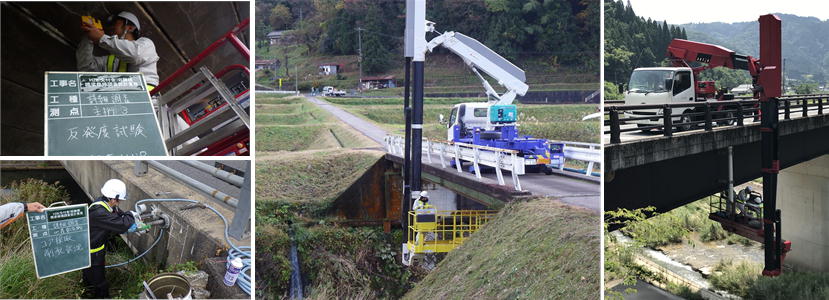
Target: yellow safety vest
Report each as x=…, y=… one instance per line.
x=109, y=209
x=121, y=68
x=111, y=64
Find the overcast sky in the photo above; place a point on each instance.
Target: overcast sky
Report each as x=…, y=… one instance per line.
x=728, y=11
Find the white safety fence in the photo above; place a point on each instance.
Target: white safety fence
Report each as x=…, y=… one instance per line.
x=586, y=152
x=500, y=159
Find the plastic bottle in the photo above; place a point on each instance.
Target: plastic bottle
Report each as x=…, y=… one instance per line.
x=233, y=269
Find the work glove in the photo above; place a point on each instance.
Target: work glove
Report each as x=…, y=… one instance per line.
x=139, y=227
x=133, y=227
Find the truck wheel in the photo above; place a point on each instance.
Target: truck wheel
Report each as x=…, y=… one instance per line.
x=729, y=122
x=684, y=119
x=646, y=130
x=548, y=170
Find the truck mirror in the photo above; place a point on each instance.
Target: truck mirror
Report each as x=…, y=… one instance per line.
x=441, y=120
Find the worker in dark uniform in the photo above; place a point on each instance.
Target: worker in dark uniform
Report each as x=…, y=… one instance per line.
x=105, y=219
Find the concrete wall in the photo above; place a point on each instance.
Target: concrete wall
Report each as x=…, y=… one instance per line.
x=803, y=198
x=196, y=234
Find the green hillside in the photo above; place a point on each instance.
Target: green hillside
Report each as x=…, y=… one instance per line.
x=539, y=249
x=805, y=46
x=555, y=42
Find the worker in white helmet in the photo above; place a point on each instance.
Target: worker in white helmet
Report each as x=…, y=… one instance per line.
x=106, y=219
x=425, y=218
x=10, y=212
x=128, y=50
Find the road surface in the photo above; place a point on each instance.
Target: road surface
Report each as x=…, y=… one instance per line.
x=584, y=193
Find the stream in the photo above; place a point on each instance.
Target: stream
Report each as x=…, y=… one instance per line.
x=296, y=274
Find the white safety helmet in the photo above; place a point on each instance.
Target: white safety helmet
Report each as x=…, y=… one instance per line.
x=115, y=189
x=130, y=17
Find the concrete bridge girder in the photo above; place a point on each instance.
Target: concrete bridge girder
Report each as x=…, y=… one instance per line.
x=670, y=172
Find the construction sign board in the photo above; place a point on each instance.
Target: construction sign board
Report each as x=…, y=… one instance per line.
x=60, y=239
x=100, y=114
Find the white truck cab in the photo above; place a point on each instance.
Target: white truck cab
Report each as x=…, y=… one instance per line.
x=468, y=116
x=659, y=86
x=331, y=91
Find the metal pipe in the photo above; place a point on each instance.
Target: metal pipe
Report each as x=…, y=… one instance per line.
x=732, y=210
x=156, y=222
x=407, y=158
x=216, y=194
x=417, y=126
x=216, y=172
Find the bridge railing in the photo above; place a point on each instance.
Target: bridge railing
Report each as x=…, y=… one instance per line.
x=499, y=159
x=706, y=114
x=589, y=153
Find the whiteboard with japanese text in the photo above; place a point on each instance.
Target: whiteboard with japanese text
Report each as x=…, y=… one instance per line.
x=100, y=114
x=60, y=239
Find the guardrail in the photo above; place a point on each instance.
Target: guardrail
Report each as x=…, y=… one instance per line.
x=705, y=114
x=499, y=159
x=587, y=152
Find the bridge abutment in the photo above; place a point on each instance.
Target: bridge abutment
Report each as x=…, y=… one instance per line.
x=803, y=191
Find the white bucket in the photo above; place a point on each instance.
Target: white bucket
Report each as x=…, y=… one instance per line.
x=173, y=284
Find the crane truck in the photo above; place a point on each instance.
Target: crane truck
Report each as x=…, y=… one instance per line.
x=493, y=123
x=681, y=83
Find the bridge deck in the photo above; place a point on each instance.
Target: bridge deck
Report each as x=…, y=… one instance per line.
x=569, y=190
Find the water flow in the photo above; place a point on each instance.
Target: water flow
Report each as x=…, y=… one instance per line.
x=296, y=274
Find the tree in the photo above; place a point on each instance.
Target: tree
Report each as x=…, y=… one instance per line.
x=262, y=30
x=280, y=17
x=611, y=91
x=376, y=47
x=805, y=88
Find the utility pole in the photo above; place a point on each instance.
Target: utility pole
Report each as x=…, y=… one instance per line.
x=415, y=55
x=407, y=112
x=360, y=55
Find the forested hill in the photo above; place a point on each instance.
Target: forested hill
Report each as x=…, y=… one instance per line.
x=632, y=41
x=805, y=43
x=560, y=32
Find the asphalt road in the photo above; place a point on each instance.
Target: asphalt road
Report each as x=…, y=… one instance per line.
x=578, y=192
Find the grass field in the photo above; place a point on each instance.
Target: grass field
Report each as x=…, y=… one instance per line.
x=538, y=249
x=294, y=124
x=318, y=177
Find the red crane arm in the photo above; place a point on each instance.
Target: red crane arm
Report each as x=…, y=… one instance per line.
x=682, y=51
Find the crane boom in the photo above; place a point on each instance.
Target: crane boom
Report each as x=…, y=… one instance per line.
x=480, y=57
x=681, y=51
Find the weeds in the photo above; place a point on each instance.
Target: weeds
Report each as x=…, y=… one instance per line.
x=735, y=277
x=536, y=249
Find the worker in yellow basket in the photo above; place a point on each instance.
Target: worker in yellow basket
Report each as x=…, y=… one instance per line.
x=425, y=218
x=128, y=50
x=106, y=219
x=10, y=212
